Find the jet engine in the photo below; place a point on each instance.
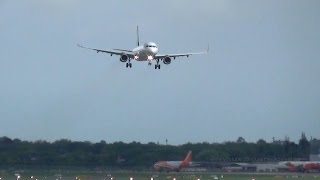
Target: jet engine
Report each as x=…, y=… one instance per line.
x=124, y=58
x=167, y=60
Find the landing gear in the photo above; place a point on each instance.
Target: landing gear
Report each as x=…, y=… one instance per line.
x=129, y=64
x=149, y=63
x=157, y=66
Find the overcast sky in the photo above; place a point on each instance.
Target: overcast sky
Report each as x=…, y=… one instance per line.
x=261, y=78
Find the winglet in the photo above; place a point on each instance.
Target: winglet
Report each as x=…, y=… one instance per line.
x=207, y=49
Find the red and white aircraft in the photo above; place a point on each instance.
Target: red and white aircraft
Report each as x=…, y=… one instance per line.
x=174, y=165
x=301, y=166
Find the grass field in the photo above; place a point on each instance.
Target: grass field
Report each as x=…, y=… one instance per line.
x=156, y=176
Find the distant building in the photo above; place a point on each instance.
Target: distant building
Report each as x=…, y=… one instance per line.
x=280, y=142
x=315, y=150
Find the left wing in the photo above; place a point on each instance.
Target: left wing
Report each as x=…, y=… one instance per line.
x=160, y=56
x=112, y=52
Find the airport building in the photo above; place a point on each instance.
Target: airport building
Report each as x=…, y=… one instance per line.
x=314, y=150
x=281, y=142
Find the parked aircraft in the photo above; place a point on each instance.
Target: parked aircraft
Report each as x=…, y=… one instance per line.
x=301, y=166
x=174, y=165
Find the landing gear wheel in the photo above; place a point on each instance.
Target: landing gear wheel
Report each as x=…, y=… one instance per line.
x=155, y=66
x=129, y=65
x=159, y=66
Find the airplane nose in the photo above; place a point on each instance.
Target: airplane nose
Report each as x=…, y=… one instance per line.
x=154, y=50
x=155, y=166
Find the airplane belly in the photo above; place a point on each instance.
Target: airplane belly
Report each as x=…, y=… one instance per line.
x=142, y=57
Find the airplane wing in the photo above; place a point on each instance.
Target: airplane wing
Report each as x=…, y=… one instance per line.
x=160, y=56
x=124, y=50
x=111, y=52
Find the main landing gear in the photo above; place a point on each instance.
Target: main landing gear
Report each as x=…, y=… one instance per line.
x=129, y=64
x=157, y=66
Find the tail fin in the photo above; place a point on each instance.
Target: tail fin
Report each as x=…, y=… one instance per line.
x=138, y=43
x=188, y=157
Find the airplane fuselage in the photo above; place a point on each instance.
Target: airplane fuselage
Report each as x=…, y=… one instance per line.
x=170, y=165
x=301, y=165
x=146, y=52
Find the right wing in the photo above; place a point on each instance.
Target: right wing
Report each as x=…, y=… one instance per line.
x=160, y=56
x=111, y=52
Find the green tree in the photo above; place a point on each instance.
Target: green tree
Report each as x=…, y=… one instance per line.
x=241, y=140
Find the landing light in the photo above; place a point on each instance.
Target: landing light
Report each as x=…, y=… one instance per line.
x=150, y=57
x=136, y=57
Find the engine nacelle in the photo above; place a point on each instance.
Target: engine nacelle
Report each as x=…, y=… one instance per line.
x=167, y=60
x=124, y=58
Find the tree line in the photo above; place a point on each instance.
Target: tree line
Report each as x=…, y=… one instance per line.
x=118, y=154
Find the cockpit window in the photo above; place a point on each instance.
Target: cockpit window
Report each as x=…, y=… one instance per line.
x=151, y=46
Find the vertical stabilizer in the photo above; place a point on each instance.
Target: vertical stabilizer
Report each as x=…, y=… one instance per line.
x=188, y=157
x=138, y=43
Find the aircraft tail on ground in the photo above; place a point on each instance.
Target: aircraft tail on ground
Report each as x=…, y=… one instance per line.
x=188, y=157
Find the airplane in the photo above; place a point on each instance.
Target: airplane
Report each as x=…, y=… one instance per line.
x=301, y=166
x=146, y=52
x=174, y=165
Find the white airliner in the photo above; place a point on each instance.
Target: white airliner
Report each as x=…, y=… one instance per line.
x=147, y=52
